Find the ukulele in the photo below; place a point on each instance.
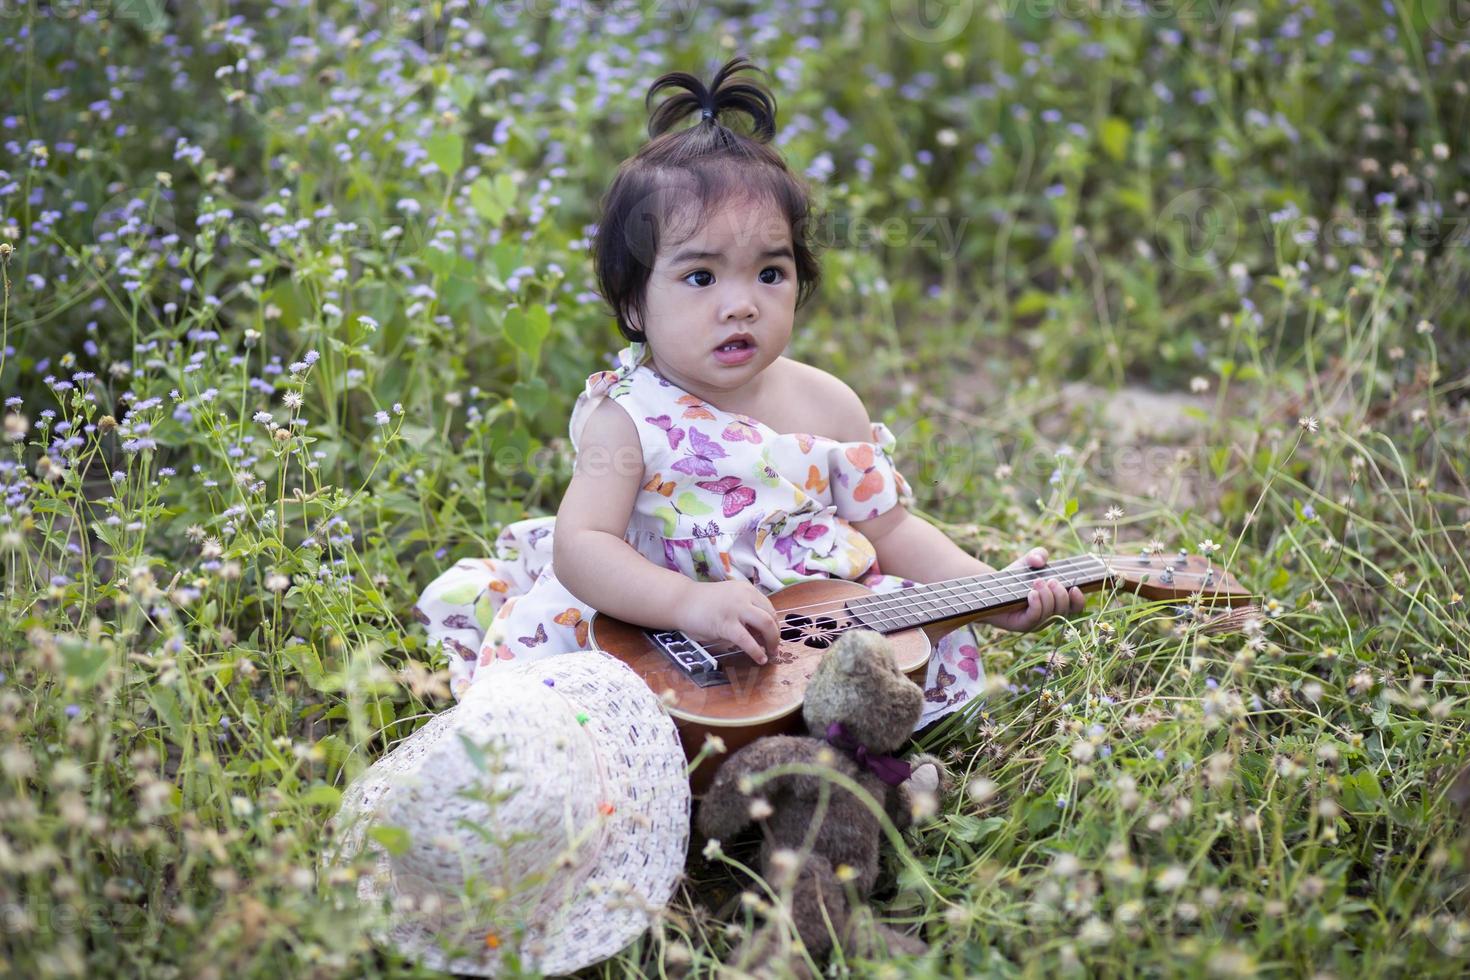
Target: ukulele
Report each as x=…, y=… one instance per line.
x=716, y=688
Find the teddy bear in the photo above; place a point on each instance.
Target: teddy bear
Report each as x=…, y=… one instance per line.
x=859, y=707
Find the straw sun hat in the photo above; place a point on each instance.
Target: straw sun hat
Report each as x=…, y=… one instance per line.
x=539, y=824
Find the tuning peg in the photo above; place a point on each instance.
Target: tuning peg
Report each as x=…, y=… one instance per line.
x=1168, y=575
x=1231, y=620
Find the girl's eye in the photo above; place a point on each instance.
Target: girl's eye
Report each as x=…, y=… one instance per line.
x=705, y=277
x=779, y=272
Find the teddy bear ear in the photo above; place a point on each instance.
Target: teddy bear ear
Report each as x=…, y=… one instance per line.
x=851, y=653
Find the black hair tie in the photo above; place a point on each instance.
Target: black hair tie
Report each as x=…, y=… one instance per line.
x=707, y=114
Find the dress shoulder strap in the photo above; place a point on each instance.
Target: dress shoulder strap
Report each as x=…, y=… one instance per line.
x=600, y=384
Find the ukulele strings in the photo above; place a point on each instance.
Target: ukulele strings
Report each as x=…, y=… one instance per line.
x=1011, y=576
x=1005, y=577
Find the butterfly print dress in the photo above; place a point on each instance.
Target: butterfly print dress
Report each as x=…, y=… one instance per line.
x=723, y=495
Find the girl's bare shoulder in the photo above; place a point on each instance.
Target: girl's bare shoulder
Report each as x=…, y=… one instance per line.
x=819, y=402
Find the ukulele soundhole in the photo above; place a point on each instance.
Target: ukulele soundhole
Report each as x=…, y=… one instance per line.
x=813, y=631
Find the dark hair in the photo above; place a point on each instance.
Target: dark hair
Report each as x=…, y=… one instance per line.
x=683, y=174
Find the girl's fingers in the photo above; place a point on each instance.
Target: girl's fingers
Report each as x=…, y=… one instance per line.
x=1079, y=601
x=764, y=627
x=745, y=640
x=1045, y=604
x=1058, y=595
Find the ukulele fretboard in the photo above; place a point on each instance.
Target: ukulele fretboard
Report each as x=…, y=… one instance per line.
x=968, y=597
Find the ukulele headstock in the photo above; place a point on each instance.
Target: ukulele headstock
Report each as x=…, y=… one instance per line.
x=1174, y=577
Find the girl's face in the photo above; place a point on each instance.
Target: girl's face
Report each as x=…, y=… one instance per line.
x=734, y=279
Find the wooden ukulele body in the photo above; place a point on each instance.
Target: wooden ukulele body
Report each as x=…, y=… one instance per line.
x=759, y=699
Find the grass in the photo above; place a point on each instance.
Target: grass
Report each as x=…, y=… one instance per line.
x=298, y=299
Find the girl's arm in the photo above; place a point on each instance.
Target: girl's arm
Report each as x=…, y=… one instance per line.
x=912, y=548
x=588, y=550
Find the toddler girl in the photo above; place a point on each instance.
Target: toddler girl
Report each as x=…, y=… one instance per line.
x=710, y=469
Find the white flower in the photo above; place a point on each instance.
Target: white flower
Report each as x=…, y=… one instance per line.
x=381, y=418
x=292, y=399
x=1095, y=932
x=1208, y=547
x=1171, y=878
x=1308, y=422
x=369, y=322
x=1113, y=514
x=264, y=418
x=712, y=849
x=1065, y=865
x=980, y=789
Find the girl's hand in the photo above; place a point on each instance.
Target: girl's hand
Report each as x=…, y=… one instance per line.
x=1047, y=598
x=733, y=611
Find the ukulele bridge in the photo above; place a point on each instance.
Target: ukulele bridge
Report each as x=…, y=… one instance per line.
x=690, y=656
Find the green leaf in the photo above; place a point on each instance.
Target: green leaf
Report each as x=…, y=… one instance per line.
x=394, y=839
x=486, y=201
x=440, y=261
x=308, y=663
x=334, y=750
x=505, y=191
x=1136, y=200
x=474, y=751
x=1071, y=507
x=530, y=396
x=322, y=795
x=972, y=829
x=1114, y=136
x=166, y=705
x=380, y=713
x=83, y=661
x=1041, y=814
x=528, y=329
x=1030, y=303
x=446, y=151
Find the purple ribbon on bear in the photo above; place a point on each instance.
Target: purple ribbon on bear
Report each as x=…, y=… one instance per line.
x=887, y=768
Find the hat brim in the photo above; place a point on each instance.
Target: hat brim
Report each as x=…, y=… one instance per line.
x=644, y=844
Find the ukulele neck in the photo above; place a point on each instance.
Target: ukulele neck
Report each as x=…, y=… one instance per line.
x=940, y=607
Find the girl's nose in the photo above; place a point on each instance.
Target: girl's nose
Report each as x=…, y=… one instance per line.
x=739, y=308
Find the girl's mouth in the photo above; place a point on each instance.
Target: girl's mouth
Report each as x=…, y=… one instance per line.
x=737, y=351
